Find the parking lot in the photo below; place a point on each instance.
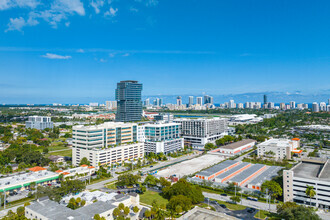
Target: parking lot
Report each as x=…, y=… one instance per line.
x=191, y=166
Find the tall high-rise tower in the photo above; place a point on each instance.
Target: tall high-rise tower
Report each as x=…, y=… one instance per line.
x=179, y=100
x=129, y=105
x=191, y=101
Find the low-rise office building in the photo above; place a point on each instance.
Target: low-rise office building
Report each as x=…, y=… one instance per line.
x=161, y=137
x=50, y=210
x=279, y=148
x=39, y=122
x=111, y=142
x=236, y=147
x=309, y=172
x=198, y=132
x=38, y=175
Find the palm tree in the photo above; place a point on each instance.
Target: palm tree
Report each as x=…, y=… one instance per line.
x=310, y=192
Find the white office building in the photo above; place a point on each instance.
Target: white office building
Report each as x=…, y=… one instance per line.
x=161, y=137
x=281, y=148
x=323, y=106
x=199, y=101
x=111, y=105
x=39, y=122
x=292, y=104
x=198, y=132
x=108, y=143
x=309, y=172
x=315, y=107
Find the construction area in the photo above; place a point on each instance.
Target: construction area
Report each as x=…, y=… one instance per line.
x=240, y=173
x=189, y=167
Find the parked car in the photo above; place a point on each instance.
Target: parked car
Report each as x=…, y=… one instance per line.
x=223, y=194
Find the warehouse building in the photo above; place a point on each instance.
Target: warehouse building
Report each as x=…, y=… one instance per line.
x=309, y=172
x=235, y=148
x=248, y=174
x=241, y=173
x=232, y=172
x=216, y=170
x=268, y=174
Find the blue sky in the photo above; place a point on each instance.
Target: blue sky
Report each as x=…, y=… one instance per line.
x=75, y=51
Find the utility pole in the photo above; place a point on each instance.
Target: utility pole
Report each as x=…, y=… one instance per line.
x=4, y=200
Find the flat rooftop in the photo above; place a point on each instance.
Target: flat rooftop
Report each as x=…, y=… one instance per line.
x=198, y=213
x=20, y=179
x=307, y=169
x=104, y=125
x=313, y=169
x=237, y=144
x=266, y=175
x=232, y=170
x=248, y=172
x=216, y=168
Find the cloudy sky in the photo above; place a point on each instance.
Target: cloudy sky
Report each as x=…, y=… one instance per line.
x=76, y=51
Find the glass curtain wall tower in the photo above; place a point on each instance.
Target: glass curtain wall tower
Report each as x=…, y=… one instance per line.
x=129, y=104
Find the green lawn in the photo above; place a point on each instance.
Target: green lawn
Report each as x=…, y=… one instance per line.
x=149, y=196
x=261, y=214
x=111, y=185
x=64, y=153
x=231, y=206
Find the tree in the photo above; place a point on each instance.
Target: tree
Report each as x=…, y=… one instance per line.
x=178, y=209
x=116, y=212
x=121, y=206
x=273, y=187
x=20, y=211
x=84, y=161
x=292, y=211
x=135, y=209
x=126, y=210
x=235, y=199
x=128, y=179
x=179, y=200
x=164, y=182
x=147, y=213
x=310, y=192
x=97, y=217
x=27, y=203
x=45, y=150
x=209, y=146
x=182, y=187
x=151, y=180
x=83, y=203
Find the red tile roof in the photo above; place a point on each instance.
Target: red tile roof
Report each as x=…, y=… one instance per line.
x=37, y=168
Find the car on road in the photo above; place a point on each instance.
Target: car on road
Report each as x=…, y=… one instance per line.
x=223, y=206
x=252, y=199
x=251, y=210
x=223, y=194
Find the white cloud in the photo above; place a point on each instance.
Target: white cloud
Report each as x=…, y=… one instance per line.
x=67, y=24
x=112, y=55
x=16, y=24
x=56, y=56
x=126, y=54
x=97, y=4
x=133, y=9
x=69, y=6
x=7, y=4
x=80, y=51
x=112, y=12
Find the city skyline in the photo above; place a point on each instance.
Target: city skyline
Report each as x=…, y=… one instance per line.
x=51, y=52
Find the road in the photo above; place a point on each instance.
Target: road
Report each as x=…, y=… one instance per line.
x=245, y=202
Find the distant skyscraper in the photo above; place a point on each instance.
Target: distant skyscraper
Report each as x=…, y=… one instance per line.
x=147, y=102
x=111, y=105
x=265, y=99
x=208, y=99
x=292, y=104
x=199, y=101
x=179, y=100
x=129, y=105
x=282, y=106
x=191, y=101
x=328, y=101
x=231, y=104
x=160, y=102
x=315, y=107
x=323, y=106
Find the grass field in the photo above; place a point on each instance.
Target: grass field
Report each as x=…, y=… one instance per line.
x=64, y=153
x=231, y=206
x=261, y=214
x=149, y=196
